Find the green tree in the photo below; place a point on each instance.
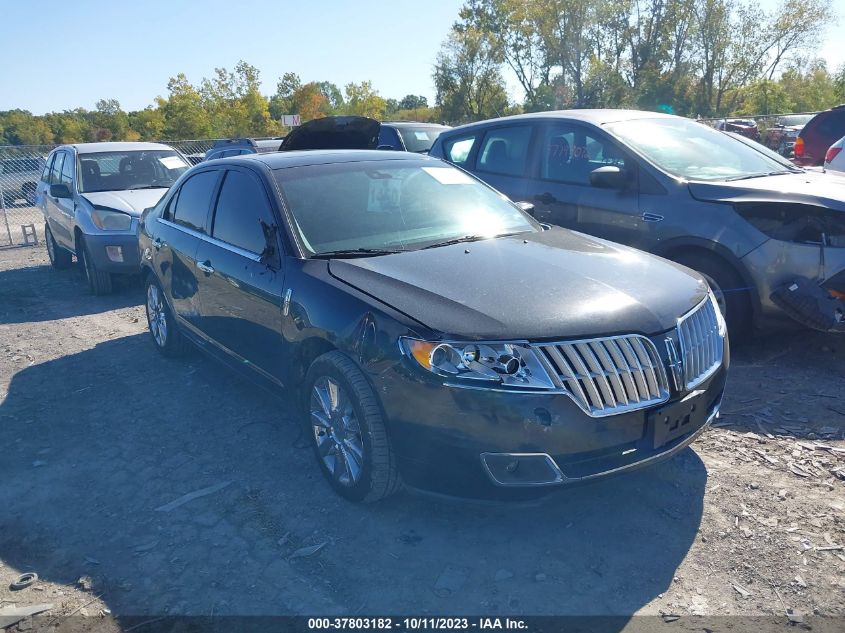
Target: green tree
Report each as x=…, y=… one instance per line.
x=363, y=100
x=466, y=77
x=184, y=114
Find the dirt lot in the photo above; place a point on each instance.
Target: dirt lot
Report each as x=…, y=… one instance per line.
x=99, y=435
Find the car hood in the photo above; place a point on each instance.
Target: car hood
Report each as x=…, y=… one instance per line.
x=551, y=285
x=815, y=188
x=132, y=201
x=334, y=132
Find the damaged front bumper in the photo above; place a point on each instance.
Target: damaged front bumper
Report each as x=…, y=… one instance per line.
x=813, y=305
x=804, y=281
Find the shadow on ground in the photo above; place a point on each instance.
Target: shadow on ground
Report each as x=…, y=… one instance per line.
x=42, y=293
x=96, y=442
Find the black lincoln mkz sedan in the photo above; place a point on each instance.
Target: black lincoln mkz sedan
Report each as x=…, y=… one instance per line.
x=431, y=331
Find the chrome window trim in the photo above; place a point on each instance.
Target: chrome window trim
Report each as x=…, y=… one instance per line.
x=212, y=240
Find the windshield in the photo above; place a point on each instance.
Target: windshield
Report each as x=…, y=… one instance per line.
x=393, y=205
x=419, y=139
x=764, y=150
x=693, y=151
x=120, y=171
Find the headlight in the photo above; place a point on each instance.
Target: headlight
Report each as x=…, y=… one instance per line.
x=492, y=364
x=111, y=220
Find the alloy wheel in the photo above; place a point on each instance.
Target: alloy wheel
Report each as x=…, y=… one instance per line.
x=156, y=315
x=336, y=431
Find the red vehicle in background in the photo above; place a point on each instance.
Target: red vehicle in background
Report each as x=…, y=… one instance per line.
x=822, y=131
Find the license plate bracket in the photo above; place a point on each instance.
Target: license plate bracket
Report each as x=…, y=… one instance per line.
x=678, y=418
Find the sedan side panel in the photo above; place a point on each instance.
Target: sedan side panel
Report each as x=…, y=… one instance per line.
x=241, y=303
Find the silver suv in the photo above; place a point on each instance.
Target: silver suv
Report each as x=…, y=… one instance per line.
x=92, y=195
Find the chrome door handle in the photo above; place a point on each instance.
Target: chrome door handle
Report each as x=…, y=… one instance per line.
x=651, y=217
x=205, y=267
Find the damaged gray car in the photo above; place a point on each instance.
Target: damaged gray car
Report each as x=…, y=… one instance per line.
x=768, y=237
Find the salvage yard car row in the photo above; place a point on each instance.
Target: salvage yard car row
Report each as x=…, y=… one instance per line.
x=438, y=326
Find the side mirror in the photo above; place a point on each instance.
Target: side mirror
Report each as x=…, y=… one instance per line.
x=388, y=148
x=528, y=207
x=60, y=190
x=608, y=177
x=270, y=256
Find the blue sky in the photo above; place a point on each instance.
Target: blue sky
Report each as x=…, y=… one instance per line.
x=64, y=55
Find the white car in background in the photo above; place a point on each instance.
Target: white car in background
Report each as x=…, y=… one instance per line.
x=834, y=160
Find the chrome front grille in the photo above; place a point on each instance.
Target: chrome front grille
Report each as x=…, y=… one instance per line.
x=702, y=343
x=610, y=375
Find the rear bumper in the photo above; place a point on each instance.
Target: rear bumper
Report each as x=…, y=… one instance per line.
x=100, y=245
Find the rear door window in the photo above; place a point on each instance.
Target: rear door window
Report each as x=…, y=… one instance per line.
x=569, y=154
x=194, y=200
x=56, y=170
x=68, y=170
x=242, y=209
x=458, y=149
x=833, y=125
x=505, y=151
x=45, y=175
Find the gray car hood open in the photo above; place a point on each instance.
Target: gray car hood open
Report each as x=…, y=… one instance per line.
x=550, y=285
x=807, y=188
x=132, y=201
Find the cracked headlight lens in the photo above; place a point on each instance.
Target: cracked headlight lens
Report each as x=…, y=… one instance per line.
x=493, y=364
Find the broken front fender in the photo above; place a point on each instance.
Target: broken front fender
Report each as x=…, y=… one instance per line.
x=776, y=264
x=812, y=305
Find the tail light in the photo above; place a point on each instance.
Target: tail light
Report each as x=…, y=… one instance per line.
x=831, y=154
x=799, y=147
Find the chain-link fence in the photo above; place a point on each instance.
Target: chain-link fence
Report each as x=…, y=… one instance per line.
x=21, y=166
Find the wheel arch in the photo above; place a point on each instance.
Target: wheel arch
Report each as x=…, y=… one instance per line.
x=674, y=248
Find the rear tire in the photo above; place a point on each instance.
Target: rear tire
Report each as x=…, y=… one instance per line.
x=60, y=259
x=164, y=331
x=355, y=424
x=731, y=293
x=99, y=282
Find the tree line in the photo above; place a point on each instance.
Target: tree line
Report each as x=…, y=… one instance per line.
x=689, y=57
x=229, y=104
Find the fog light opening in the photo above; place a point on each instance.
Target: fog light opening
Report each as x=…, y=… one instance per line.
x=115, y=253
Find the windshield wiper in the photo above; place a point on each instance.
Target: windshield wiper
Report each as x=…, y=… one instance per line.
x=469, y=238
x=150, y=187
x=458, y=240
x=355, y=252
x=771, y=173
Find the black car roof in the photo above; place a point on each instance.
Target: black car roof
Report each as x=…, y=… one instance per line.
x=299, y=158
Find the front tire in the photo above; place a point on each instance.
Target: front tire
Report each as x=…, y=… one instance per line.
x=347, y=430
x=99, y=282
x=732, y=295
x=164, y=331
x=60, y=259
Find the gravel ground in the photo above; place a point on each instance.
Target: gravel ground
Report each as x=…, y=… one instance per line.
x=102, y=438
